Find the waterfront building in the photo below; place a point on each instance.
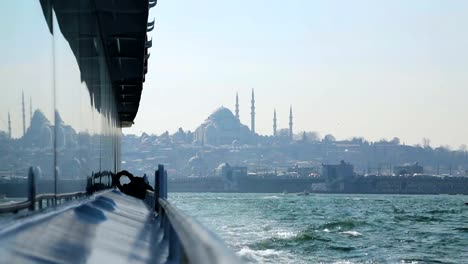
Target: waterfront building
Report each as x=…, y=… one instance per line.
x=408, y=169
x=341, y=171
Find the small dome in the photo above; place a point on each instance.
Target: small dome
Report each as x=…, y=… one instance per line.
x=194, y=160
x=223, y=166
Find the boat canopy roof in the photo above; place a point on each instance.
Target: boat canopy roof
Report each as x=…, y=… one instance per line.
x=121, y=28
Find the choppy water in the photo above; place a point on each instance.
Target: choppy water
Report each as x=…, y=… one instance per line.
x=275, y=228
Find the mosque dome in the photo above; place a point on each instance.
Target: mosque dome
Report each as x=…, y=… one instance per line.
x=39, y=120
x=223, y=166
x=223, y=170
x=197, y=165
x=222, y=114
x=195, y=160
x=39, y=133
x=222, y=128
x=235, y=143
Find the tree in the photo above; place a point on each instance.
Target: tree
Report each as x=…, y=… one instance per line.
x=462, y=148
x=329, y=138
x=426, y=143
x=396, y=141
x=311, y=136
x=442, y=149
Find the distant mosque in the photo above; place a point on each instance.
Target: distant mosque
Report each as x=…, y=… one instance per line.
x=223, y=127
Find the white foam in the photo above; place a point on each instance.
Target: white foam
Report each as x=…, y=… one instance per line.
x=351, y=233
x=271, y=197
x=285, y=234
x=344, y=262
x=326, y=230
x=258, y=256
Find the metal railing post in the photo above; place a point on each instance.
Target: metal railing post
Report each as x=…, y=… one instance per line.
x=165, y=184
x=174, y=245
x=31, y=189
x=162, y=182
x=157, y=189
x=160, y=187
x=56, y=177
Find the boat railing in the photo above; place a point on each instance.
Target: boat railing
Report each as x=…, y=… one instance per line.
x=39, y=201
x=188, y=240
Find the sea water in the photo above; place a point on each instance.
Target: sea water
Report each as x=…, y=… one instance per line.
x=328, y=228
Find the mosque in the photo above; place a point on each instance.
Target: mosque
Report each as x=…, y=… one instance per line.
x=223, y=127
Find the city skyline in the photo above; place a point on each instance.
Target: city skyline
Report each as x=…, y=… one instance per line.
x=287, y=125
x=375, y=69
x=251, y=122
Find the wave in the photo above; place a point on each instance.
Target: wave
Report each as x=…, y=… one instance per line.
x=271, y=197
x=462, y=229
x=319, y=233
x=342, y=224
x=351, y=233
x=284, y=239
x=397, y=210
x=344, y=262
x=285, y=234
x=444, y=211
x=420, y=260
x=260, y=256
x=342, y=248
x=416, y=218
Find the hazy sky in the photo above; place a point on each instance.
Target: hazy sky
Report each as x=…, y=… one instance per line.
x=376, y=69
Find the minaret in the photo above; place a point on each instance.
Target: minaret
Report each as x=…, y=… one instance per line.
x=237, y=106
x=9, y=126
x=290, y=123
x=30, y=110
x=203, y=136
x=24, y=116
x=252, y=113
x=274, y=123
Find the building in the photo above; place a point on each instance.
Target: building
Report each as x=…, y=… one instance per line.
x=408, y=169
x=339, y=171
x=223, y=128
